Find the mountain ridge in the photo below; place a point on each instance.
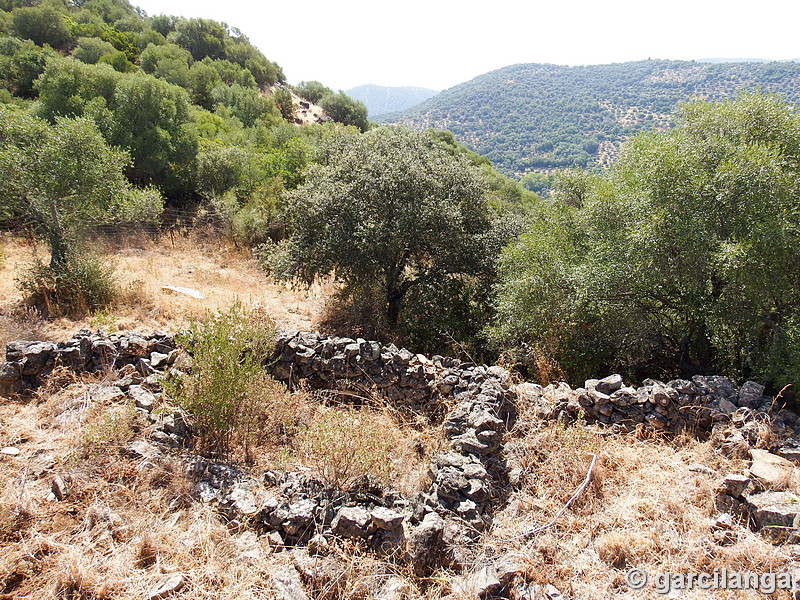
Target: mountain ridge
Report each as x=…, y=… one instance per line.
x=535, y=117
x=382, y=99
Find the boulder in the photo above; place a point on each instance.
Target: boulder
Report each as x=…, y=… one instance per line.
x=769, y=469
x=774, y=509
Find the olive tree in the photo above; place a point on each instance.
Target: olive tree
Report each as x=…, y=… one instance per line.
x=63, y=178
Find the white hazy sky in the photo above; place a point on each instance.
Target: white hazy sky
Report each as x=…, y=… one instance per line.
x=440, y=43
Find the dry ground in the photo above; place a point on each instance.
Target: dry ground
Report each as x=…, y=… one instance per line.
x=122, y=525
x=223, y=273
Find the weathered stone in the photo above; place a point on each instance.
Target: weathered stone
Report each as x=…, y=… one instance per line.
x=479, y=584
x=424, y=544
x=299, y=517
x=750, y=394
x=609, y=385
x=770, y=469
x=142, y=397
x=286, y=585
x=386, y=518
x=734, y=485
x=352, y=522
x=166, y=585
x=141, y=449
x=774, y=508
x=394, y=588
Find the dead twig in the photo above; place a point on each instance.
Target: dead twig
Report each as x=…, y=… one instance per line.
x=574, y=497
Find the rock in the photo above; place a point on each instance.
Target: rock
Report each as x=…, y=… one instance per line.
x=394, y=589
x=386, y=518
x=479, y=584
x=168, y=584
x=286, y=585
x=727, y=407
x=507, y=568
x=774, y=508
x=723, y=521
x=734, y=485
x=352, y=522
x=424, y=544
x=750, y=394
x=319, y=545
x=10, y=451
x=770, y=469
x=142, y=398
x=609, y=385
x=106, y=394
x=141, y=449
x=300, y=517
x=159, y=360
x=59, y=488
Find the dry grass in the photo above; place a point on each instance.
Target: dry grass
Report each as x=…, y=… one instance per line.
x=646, y=508
x=123, y=525
x=217, y=269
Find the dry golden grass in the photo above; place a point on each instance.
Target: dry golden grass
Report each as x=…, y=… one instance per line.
x=645, y=508
x=217, y=269
x=122, y=526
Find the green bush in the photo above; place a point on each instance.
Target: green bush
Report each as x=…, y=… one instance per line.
x=74, y=288
x=232, y=401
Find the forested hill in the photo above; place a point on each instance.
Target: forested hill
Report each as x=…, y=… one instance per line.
x=381, y=99
x=537, y=117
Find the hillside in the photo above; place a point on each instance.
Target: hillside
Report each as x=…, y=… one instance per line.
x=538, y=117
x=381, y=100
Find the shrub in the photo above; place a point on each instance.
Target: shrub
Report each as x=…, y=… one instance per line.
x=74, y=288
x=233, y=402
x=344, y=447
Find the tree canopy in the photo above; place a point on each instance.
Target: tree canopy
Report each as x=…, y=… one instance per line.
x=682, y=260
x=390, y=212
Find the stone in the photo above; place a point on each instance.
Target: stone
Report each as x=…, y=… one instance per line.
x=352, y=522
x=609, y=385
x=299, y=517
x=424, y=544
x=394, y=588
x=734, y=485
x=106, y=394
x=774, y=508
x=9, y=451
x=319, y=545
x=770, y=469
x=158, y=360
x=386, y=518
x=166, y=585
x=481, y=583
x=286, y=585
x=141, y=449
x=750, y=394
x=723, y=521
x=59, y=488
x=727, y=407
x=142, y=397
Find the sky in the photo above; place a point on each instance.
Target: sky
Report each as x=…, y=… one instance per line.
x=439, y=43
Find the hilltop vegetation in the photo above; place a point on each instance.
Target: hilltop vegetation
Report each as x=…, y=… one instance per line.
x=540, y=117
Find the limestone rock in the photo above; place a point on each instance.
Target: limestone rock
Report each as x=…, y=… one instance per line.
x=286, y=585
x=166, y=585
x=424, y=543
x=770, y=469
x=774, y=509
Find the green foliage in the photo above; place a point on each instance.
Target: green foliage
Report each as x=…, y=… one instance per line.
x=75, y=287
x=343, y=109
x=90, y=50
x=344, y=447
x=201, y=37
x=680, y=261
x=21, y=63
x=389, y=211
x=42, y=25
x=61, y=179
x=285, y=104
x=313, y=91
x=228, y=394
x=540, y=117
